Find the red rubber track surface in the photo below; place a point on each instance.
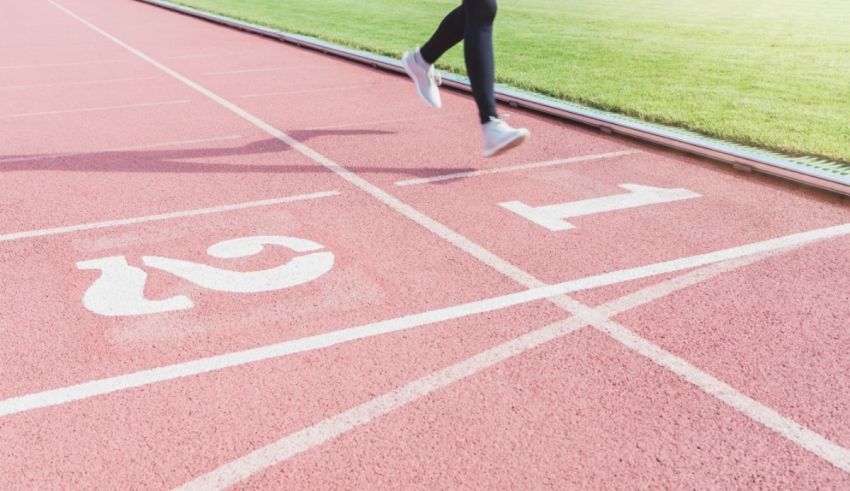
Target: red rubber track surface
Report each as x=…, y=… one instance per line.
x=132, y=132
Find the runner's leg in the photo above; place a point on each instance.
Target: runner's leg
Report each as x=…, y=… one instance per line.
x=448, y=34
x=478, y=52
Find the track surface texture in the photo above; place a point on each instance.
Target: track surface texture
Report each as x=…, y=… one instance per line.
x=232, y=262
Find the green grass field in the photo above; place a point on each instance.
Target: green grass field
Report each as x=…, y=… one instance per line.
x=770, y=73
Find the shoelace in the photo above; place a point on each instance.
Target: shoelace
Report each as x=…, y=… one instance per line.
x=499, y=124
x=435, y=77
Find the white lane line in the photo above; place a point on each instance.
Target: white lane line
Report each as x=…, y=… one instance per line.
x=463, y=243
x=319, y=89
x=95, y=109
x=78, y=63
x=385, y=121
x=317, y=434
x=233, y=472
x=694, y=277
x=515, y=168
x=164, y=216
x=199, y=55
x=787, y=241
x=205, y=365
x=122, y=149
x=71, y=84
x=249, y=70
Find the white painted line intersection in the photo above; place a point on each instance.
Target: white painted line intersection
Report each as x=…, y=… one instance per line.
x=205, y=365
x=319, y=433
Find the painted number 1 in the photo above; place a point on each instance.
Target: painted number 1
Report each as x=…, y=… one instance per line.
x=554, y=217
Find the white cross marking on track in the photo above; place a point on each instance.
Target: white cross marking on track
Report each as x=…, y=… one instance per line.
x=312, y=436
x=599, y=318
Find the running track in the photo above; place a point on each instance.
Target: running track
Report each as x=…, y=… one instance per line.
x=422, y=332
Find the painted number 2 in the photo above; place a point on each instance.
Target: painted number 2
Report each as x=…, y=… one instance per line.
x=119, y=291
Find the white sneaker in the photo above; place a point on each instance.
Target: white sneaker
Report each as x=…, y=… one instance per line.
x=427, y=80
x=499, y=136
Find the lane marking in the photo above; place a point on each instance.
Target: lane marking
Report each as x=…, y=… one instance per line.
x=78, y=63
x=515, y=168
x=199, y=366
x=122, y=149
x=320, y=89
x=463, y=243
x=163, y=216
x=385, y=121
x=319, y=433
x=95, y=109
x=200, y=55
x=249, y=70
x=71, y=84
x=109, y=385
x=255, y=462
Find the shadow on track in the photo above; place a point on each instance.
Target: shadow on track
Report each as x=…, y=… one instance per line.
x=184, y=160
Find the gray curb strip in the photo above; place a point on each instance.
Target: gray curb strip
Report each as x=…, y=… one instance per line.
x=740, y=156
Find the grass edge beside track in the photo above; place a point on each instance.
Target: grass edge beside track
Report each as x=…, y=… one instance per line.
x=513, y=82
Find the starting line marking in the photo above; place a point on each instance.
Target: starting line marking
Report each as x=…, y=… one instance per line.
x=164, y=216
x=95, y=109
x=94, y=388
x=514, y=168
x=122, y=149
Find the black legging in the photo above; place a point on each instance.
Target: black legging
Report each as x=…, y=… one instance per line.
x=471, y=23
